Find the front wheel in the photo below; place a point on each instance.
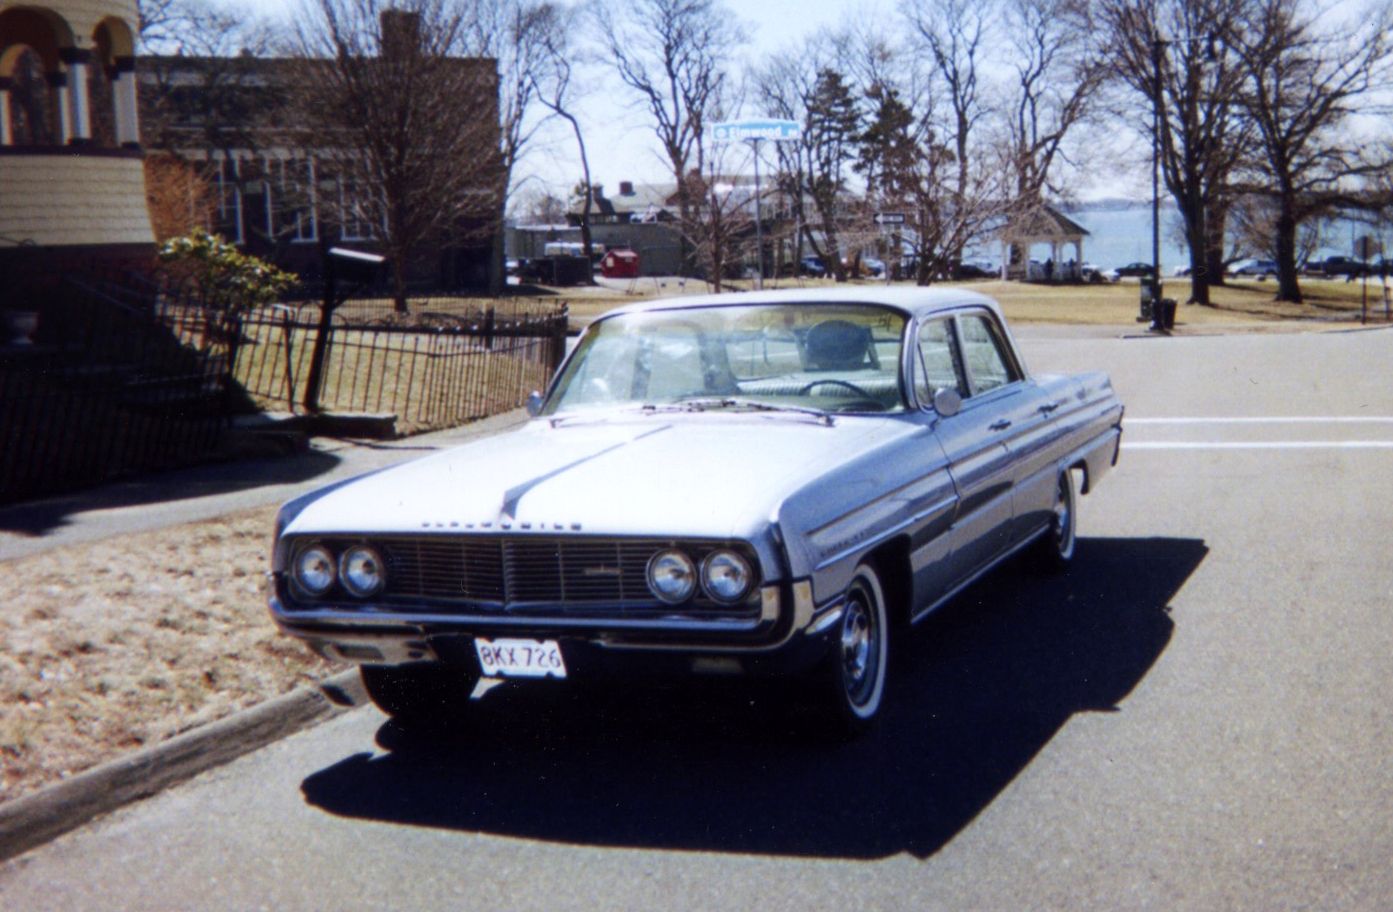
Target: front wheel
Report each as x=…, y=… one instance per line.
x=852, y=677
x=419, y=693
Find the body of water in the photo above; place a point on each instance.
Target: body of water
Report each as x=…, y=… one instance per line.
x=1118, y=235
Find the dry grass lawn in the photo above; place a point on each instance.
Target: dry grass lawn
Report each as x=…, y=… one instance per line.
x=110, y=646
x=1242, y=302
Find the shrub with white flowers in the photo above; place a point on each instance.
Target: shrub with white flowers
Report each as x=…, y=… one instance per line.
x=223, y=278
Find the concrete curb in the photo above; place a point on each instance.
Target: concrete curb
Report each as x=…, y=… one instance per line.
x=50, y=812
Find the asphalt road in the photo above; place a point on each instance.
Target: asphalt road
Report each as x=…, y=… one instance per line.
x=1199, y=715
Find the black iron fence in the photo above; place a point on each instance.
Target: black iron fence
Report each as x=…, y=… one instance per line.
x=103, y=380
x=124, y=376
x=430, y=370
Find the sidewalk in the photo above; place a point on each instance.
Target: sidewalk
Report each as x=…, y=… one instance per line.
x=162, y=499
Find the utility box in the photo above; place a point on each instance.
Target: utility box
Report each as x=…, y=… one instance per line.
x=620, y=264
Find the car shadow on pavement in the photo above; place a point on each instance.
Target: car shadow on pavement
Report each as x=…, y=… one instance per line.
x=979, y=689
x=42, y=516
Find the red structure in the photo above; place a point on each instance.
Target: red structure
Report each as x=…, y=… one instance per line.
x=620, y=264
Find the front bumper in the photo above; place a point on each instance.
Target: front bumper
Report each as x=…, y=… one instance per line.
x=790, y=634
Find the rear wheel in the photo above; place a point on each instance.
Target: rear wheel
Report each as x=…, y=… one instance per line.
x=852, y=677
x=1055, y=549
x=419, y=693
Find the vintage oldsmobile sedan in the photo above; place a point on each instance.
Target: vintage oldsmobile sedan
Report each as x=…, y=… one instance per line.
x=751, y=484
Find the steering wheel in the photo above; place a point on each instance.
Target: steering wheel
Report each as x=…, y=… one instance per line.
x=833, y=381
x=865, y=402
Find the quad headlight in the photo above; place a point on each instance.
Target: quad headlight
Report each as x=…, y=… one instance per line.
x=726, y=576
x=361, y=571
x=314, y=570
x=672, y=576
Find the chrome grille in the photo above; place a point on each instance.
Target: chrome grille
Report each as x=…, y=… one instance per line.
x=522, y=573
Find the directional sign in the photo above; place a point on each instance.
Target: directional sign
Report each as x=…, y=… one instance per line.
x=889, y=218
x=776, y=130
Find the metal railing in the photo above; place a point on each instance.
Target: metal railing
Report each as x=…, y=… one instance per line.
x=435, y=370
x=113, y=382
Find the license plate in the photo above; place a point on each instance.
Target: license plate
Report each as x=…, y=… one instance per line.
x=511, y=658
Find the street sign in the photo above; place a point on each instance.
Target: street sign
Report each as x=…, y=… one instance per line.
x=775, y=130
x=889, y=218
x=1366, y=246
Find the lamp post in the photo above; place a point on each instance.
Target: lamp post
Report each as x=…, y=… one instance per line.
x=1158, y=321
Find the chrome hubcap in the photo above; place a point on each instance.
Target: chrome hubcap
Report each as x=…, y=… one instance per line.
x=1062, y=533
x=858, y=648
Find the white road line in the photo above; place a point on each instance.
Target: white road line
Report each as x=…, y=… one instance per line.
x=1258, y=445
x=1329, y=419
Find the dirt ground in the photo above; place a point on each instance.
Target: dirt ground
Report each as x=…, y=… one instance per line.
x=110, y=646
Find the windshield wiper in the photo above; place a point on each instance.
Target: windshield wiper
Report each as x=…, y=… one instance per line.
x=705, y=403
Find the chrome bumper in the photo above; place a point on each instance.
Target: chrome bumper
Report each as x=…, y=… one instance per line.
x=365, y=636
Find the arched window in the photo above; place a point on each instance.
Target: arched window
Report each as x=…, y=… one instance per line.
x=33, y=103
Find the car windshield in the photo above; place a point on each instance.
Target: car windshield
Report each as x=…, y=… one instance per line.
x=798, y=356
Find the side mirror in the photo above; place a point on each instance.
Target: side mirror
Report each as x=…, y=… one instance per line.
x=947, y=402
x=534, y=403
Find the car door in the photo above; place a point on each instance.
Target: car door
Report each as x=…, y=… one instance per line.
x=1024, y=420
x=978, y=459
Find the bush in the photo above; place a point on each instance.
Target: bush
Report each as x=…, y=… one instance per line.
x=223, y=278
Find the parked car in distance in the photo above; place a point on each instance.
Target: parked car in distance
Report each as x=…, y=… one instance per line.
x=762, y=484
x=1345, y=266
x=974, y=269
x=1254, y=269
x=1093, y=273
x=1131, y=270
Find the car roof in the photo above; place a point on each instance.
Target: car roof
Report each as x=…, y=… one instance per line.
x=912, y=302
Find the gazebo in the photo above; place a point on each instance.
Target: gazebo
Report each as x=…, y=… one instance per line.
x=1042, y=225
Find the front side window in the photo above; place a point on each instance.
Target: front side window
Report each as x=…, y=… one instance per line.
x=984, y=354
x=832, y=358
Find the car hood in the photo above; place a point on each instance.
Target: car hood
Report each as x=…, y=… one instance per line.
x=703, y=475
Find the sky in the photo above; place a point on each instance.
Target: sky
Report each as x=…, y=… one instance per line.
x=620, y=138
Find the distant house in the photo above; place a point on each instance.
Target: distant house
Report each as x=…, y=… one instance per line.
x=642, y=217
x=269, y=189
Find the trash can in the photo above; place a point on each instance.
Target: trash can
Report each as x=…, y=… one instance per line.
x=1148, y=298
x=1167, y=320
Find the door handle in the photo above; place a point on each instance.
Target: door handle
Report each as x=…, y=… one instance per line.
x=1001, y=425
x=1051, y=406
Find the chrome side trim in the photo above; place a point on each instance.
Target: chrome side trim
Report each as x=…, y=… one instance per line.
x=980, y=572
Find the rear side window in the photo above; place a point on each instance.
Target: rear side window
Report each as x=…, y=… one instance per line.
x=984, y=353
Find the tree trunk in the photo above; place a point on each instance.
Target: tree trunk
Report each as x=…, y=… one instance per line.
x=1197, y=240
x=1288, y=288
x=399, y=283
x=1214, y=247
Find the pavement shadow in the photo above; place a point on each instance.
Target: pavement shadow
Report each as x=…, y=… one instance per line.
x=39, y=517
x=978, y=690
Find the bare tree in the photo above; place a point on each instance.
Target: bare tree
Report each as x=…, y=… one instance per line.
x=1303, y=83
x=960, y=181
x=1057, y=73
x=514, y=33
x=1204, y=135
x=405, y=122
x=674, y=54
x=556, y=88
x=722, y=214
